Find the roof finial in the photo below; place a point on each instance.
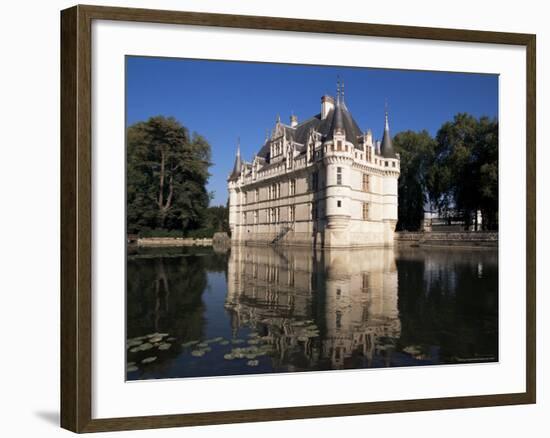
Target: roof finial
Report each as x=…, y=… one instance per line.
x=386, y=122
x=342, y=90
x=337, y=88
x=238, y=146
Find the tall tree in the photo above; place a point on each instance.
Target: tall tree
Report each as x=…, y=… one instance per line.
x=167, y=173
x=416, y=151
x=466, y=171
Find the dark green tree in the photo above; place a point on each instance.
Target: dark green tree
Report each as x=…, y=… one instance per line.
x=464, y=178
x=167, y=173
x=416, y=150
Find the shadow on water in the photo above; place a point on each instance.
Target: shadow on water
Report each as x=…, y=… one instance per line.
x=207, y=312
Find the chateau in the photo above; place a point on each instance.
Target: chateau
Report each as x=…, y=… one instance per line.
x=322, y=182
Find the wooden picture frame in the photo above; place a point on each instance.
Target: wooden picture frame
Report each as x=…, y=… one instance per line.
x=76, y=217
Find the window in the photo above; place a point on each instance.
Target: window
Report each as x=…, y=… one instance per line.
x=339, y=176
x=314, y=181
x=278, y=190
x=393, y=164
x=291, y=213
x=257, y=195
x=292, y=187
x=365, y=211
x=255, y=216
x=365, y=282
x=277, y=215
x=339, y=145
x=339, y=203
x=385, y=163
x=366, y=182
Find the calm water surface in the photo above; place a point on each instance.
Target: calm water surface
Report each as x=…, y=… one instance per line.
x=195, y=312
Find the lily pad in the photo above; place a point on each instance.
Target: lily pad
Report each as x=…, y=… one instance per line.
x=149, y=359
x=131, y=368
x=198, y=353
x=253, y=363
x=164, y=346
x=203, y=344
x=146, y=346
x=133, y=343
x=189, y=344
x=237, y=341
x=228, y=356
x=224, y=342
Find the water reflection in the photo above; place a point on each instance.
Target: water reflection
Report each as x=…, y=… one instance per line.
x=204, y=312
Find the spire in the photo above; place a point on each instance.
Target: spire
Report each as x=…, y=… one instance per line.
x=386, y=147
x=237, y=167
x=338, y=121
x=342, y=92
x=386, y=122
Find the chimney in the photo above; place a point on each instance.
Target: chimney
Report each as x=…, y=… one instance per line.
x=293, y=121
x=327, y=104
x=368, y=139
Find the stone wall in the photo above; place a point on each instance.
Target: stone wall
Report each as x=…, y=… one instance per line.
x=173, y=241
x=462, y=238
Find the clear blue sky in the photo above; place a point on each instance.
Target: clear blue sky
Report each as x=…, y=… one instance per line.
x=226, y=100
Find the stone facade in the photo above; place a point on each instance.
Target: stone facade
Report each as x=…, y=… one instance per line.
x=322, y=183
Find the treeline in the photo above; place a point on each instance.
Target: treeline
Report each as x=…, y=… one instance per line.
x=454, y=174
x=167, y=173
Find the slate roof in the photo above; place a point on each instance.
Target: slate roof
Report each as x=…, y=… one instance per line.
x=237, y=167
x=340, y=117
x=386, y=146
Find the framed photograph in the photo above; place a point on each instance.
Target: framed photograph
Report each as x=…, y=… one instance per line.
x=268, y=219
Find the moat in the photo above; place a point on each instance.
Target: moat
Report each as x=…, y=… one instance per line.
x=195, y=312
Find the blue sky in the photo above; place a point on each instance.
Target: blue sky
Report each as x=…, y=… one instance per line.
x=226, y=100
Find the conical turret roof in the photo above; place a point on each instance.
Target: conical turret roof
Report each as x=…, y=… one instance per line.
x=237, y=167
x=386, y=147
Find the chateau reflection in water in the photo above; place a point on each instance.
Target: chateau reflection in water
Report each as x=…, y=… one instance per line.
x=245, y=310
x=352, y=298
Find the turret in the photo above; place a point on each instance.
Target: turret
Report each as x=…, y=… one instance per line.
x=237, y=167
x=386, y=147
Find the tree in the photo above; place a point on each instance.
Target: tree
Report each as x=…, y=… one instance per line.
x=167, y=173
x=465, y=175
x=416, y=151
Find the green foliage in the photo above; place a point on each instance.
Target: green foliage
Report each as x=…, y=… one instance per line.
x=455, y=173
x=465, y=177
x=416, y=150
x=167, y=173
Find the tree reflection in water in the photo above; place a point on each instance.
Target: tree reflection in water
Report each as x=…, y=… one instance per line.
x=266, y=309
